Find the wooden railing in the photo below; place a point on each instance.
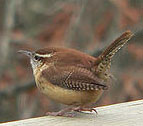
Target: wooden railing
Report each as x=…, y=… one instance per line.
x=124, y=114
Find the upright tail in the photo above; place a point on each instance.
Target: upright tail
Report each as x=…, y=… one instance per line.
x=104, y=60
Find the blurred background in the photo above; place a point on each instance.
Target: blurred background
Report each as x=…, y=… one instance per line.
x=86, y=25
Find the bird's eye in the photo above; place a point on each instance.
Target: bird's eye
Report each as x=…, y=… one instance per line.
x=37, y=58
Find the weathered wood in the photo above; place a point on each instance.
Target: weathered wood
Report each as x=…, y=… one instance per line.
x=124, y=114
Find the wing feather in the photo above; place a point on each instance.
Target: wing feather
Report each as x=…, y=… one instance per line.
x=73, y=78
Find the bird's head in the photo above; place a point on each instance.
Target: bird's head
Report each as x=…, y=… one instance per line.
x=40, y=57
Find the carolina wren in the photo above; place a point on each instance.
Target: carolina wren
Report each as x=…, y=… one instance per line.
x=71, y=77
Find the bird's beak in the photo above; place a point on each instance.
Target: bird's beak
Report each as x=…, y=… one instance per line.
x=27, y=53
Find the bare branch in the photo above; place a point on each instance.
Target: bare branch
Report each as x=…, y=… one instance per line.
x=8, y=26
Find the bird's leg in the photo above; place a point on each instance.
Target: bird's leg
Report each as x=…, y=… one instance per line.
x=79, y=109
x=63, y=112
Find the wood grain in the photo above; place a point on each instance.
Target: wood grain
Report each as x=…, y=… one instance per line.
x=123, y=114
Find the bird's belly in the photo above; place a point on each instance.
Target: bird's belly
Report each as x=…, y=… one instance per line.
x=66, y=96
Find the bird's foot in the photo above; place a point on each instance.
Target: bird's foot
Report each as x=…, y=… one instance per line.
x=68, y=112
x=80, y=109
x=60, y=114
x=64, y=112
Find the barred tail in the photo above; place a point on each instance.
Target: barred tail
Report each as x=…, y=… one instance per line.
x=104, y=60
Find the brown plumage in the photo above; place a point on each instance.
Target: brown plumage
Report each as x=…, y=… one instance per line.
x=71, y=77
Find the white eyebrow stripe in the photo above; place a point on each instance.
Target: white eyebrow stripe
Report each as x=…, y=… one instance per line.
x=44, y=55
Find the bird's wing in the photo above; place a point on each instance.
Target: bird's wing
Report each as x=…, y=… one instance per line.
x=73, y=78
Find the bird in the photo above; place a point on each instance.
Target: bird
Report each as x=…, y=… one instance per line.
x=72, y=77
